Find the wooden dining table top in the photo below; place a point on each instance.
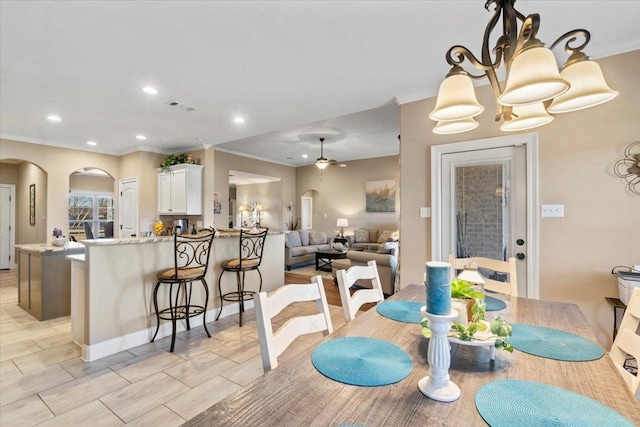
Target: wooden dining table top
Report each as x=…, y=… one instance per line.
x=296, y=394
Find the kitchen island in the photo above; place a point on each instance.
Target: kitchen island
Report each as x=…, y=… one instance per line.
x=44, y=279
x=112, y=285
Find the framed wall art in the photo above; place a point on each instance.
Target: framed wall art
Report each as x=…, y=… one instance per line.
x=32, y=204
x=381, y=196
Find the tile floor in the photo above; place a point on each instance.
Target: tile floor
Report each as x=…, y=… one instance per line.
x=44, y=382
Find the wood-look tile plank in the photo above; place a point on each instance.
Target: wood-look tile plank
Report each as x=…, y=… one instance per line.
x=79, y=368
x=26, y=335
x=35, y=361
x=9, y=370
x=246, y=372
x=200, y=398
x=143, y=396
x=76, y=393
x=159, y=417
x=146, y=365
x=20, y=387
x=94, y=414
x=240, y=350
x=25, y=412
x=18, y=349
x=200, y=369
x=54, y=340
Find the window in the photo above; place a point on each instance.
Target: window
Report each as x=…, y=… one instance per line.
x=96, y=209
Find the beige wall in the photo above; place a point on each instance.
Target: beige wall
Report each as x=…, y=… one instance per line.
x=601, y=226
x=91, y=183
x=8, y=173
x=28, y=174
x=224, y=162
x=340, y=193
x=269, y=195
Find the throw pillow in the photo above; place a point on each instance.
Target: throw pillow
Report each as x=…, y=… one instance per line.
x=304, y=237
x=361, y=235
x=294, y=239
x=386, y=248
x=385, y=236
x=317, y=237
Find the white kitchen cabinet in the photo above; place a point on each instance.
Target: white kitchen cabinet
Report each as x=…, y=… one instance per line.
x=180, y=190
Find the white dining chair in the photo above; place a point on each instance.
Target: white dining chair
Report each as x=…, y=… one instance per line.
x=627, y=342
x=510, y=287
x=269, y=305
x=347, y=278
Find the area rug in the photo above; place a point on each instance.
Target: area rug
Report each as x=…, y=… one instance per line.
x=310, y=270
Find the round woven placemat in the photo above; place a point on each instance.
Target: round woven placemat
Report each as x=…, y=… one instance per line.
x=402, y=311
x=553, y=343
x=494, y=304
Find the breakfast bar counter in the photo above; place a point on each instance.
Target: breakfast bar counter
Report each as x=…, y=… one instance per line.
x=112, y=286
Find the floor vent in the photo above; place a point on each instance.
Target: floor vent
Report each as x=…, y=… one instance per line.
x=180, y=105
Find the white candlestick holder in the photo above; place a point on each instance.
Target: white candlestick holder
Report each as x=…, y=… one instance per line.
x=438, y=385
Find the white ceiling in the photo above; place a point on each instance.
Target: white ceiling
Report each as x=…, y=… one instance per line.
x=295, y=70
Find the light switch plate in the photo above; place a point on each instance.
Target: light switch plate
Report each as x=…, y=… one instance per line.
x=551, y=211
x=425, y=212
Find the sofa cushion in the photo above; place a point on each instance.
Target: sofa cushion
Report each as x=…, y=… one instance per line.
x=310, y=249
x=386, y=236
x=293, y=239
x=361, y=235
x=299, y=251
x=323, y=247
x=387, y=247
x=317, y=237
x=304, y=237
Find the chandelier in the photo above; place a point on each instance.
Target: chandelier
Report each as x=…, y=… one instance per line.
x=534, y=85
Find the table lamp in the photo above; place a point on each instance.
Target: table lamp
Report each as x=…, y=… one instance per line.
x=342, y=223
x=471, y=274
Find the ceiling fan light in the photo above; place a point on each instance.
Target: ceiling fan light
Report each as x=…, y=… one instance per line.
x=527, y=117
x=588, y=88
x=455, y=126
x=533, y=77
x=456, y=99
x=322, y=163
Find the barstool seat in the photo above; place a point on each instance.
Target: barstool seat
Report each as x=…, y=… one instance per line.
x=191, y=260
x=249, y=259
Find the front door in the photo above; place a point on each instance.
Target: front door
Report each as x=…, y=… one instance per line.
x=484, y=206
x=306, y=216
x=7, y=226
x=129, y=207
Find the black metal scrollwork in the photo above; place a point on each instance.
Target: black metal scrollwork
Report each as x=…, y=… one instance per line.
x=629, y=167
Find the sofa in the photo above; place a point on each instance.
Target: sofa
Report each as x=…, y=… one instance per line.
x=387, y=264
x=372, y=239
x=301, y=246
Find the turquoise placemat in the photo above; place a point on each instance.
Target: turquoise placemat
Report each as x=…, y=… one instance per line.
x=553, y=343
x=361, y=361
x=402, y=311
x=519, y=403
x=494, y=304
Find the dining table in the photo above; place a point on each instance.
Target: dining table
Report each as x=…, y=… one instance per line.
x=297, y=394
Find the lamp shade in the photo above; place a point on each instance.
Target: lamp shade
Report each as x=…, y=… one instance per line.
x=533, y=77
x=322, y=163
x=243, y=208
x=588, y=88
x=342, y=222
x=456, y=99
x=471, y=274
x=527, y=117
x=455, y=126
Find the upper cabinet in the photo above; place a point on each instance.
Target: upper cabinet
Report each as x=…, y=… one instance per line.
x=180, y=190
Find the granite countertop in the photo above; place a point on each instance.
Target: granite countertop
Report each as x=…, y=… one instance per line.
x=222, y=234
x=48, y=247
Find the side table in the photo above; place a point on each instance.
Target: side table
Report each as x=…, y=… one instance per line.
x=617, y=305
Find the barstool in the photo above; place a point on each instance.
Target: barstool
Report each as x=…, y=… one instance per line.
x=250, y=257
x=191, y=260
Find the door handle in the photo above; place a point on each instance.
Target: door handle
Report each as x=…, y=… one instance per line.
x=519, y=242
x=520, y=256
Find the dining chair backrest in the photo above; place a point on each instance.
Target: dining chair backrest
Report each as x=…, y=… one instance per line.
x=108, y=229
x=270, y=305
x=88, y=232
x=347, y=278
x=508, y=267
x=627, y=341
x=191, y=253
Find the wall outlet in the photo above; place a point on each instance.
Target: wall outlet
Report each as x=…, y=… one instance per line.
x=548, y=211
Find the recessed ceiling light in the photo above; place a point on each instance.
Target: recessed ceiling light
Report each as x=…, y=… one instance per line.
x=54, y=118
x=150, y=90
x=304, y=156
x=201, y=139
x=92, y=143
x=141, y=137
x=238, y=120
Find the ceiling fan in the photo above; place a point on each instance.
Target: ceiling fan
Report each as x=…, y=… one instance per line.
x=322, y=162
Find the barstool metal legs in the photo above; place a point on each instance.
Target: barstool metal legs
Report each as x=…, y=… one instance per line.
x=240, y=295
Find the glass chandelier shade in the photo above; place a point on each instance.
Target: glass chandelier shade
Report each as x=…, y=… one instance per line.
x=527, y=117
x=456, y=99
x=455, y=126
x=533, y=77
x=588, y=88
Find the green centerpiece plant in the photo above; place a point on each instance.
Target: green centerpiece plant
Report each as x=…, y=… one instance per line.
x=178, y=159
x=500, y=328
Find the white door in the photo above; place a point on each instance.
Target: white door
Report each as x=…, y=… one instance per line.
x=484, y=209
x=7, y=225
x=128, y=207
x=306, y=216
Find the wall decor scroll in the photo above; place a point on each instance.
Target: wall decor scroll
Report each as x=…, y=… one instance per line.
x=32, y=204
x=628, y=168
